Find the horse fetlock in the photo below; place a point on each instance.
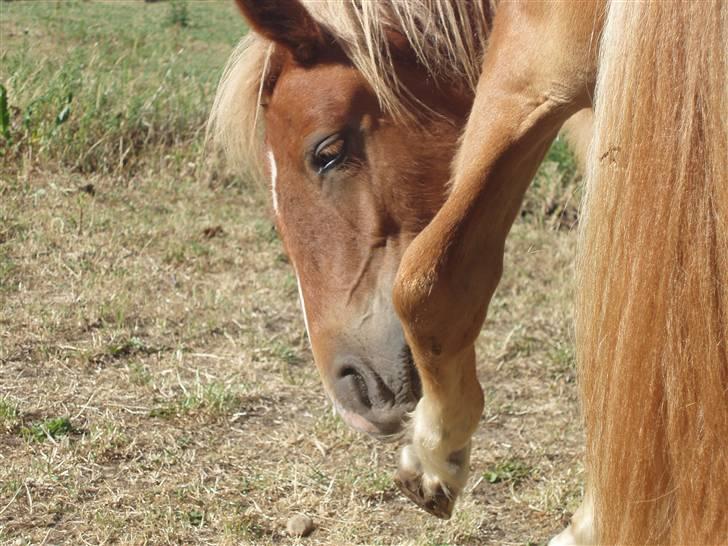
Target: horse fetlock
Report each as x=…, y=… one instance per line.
x=434, y=468
x=448, y=415
x=449, y=465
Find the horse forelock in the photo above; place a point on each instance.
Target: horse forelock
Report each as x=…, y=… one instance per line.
x=447, y=38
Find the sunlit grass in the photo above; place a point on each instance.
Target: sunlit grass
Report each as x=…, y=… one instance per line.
x=103, y=86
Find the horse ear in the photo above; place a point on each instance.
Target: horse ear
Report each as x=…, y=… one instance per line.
x=286, y=22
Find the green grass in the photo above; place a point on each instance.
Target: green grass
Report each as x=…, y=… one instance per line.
x=122, y=348
x=560, y=154
x=553, y=199
x=508, y=470
x=51, y=428
x=139, y=374
x=9, y=414
x=213, y=399
x=179, y=14
x=98, y=86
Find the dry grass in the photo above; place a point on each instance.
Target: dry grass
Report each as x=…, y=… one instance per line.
x=157, y=384
x=181, y=363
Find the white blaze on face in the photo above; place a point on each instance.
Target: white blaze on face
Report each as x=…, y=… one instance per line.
x=274, y=193
x=273, y=176
x=303, y=306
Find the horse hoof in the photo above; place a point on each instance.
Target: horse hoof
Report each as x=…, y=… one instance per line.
x=431, y=497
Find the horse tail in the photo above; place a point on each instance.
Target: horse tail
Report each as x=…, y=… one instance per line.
x=652, y=305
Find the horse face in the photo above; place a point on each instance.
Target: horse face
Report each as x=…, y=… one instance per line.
x=351, y=187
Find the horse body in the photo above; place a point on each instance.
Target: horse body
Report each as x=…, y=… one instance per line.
x=396, y=224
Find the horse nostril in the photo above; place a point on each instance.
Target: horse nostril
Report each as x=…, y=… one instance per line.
x=365, y=400
x=356, y=384
x=363, y=386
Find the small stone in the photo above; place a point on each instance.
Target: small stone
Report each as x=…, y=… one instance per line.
x=299, y=525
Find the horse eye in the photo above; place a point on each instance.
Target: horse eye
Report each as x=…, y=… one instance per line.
x=329, y=153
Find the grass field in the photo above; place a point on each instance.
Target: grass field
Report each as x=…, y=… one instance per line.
x=156, y=384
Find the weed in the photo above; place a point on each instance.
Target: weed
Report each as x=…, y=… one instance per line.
x=246, y=527
x=9, y=487
x=53, y=428
x=508, y=470
x=374, y=482
x=560, y=154
x=179, y=13
x=9, y=415
x=127, y=347
x=166, y=411
x=563, y=360
x=284, y=352
x=196, y=518
x=122, y=348
x=4, y=114
x=106, y=441
x=213, y=399
x=139, y=374
x=251, y=481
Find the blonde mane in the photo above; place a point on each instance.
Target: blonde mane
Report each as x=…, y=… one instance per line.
x=448, y=39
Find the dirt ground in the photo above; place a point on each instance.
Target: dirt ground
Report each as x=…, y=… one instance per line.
x=156, y=384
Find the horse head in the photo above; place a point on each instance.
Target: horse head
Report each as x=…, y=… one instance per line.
x=353, y=182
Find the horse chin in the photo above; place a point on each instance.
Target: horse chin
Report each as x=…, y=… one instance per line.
x=390, y=433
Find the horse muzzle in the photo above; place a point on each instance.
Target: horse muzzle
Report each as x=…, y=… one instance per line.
x=373, y=401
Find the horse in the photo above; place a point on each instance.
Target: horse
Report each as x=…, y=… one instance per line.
x=399, y=139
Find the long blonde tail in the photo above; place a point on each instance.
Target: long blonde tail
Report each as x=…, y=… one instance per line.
x=652, y=310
